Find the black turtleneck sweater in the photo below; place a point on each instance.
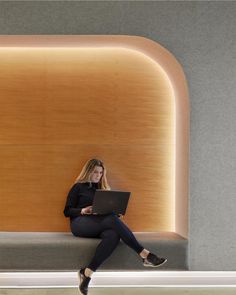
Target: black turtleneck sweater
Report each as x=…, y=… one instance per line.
x=80, y=196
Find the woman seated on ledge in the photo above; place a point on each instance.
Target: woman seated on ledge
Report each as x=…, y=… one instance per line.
x=107, y=227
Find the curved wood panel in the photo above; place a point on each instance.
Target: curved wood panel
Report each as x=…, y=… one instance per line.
x=62, y=106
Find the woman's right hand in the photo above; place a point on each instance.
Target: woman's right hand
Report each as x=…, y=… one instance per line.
x=86, y=210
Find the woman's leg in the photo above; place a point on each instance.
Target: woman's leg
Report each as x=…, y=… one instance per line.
x=99, y=226
x=149, y=259
x=85, y=226
x=91, y=227
x=110, y=240
x=111, y=221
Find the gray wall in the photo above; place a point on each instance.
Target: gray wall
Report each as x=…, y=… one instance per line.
x=202, y=36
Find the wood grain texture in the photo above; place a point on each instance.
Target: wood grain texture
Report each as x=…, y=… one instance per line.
x=60, y=107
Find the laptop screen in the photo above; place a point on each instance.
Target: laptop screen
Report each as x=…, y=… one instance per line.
x=108, y=201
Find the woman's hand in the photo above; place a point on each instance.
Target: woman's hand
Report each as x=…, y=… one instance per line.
x=86, y=210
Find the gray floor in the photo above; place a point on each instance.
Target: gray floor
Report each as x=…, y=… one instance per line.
x=123, y=291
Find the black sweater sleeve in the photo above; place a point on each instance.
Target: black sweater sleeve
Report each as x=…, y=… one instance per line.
x=71, y=209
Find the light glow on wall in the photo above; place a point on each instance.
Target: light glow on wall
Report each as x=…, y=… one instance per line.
x=100, y=53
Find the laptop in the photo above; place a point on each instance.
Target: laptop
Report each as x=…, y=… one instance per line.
x=108, y=201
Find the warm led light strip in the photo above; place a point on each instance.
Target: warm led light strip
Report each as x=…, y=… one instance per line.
x=175, y=279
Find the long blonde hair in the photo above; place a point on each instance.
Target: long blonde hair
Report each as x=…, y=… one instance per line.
x=88, y=168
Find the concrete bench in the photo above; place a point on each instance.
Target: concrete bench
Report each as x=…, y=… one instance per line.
x=35, y=251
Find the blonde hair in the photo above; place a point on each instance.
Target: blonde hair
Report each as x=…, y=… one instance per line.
x=88, y=168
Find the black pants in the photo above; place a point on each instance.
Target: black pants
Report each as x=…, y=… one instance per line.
x=108, y=227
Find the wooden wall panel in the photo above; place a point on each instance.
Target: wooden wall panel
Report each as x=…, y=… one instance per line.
x=60, y=107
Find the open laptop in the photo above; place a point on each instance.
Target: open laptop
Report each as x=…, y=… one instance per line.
x=108, y=201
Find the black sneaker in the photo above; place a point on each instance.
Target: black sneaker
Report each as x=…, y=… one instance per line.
x=84, y=282
x=153, y=261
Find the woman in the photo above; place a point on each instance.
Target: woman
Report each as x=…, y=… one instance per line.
x=107, y=227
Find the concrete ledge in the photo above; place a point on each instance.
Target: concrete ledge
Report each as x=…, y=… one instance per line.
x=27, y=251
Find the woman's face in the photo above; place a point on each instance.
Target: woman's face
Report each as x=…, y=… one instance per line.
x=97, y=173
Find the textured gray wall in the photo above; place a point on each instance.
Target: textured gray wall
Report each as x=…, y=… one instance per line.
x=202, y=36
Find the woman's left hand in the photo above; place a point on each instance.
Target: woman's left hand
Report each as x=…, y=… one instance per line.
x=87, y=210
